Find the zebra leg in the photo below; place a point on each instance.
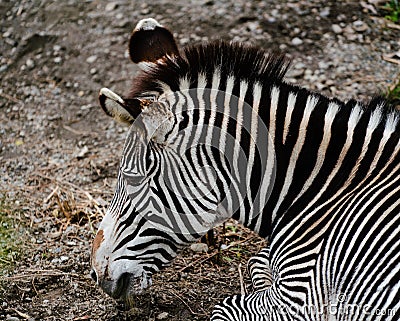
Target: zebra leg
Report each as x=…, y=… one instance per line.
x=259, y=270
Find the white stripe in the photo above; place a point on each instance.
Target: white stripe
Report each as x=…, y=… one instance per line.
x=330, y=115
x=270, y=161
x=227, y=109
x=273, y=111
x=239, y=123
x=201, y=81
x=237, y=148
x=184, y=84
x=257, y=91
x=288, y=117
x=310, y=105
x=354, y=118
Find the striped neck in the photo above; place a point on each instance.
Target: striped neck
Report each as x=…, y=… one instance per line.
x=316, y=148
x=301, y=150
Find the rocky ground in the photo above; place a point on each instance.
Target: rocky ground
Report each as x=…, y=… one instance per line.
x=59, y=154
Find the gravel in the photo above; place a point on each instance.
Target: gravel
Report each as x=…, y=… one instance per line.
x=59, y=153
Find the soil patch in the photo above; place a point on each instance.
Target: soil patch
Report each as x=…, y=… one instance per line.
x=59, y=154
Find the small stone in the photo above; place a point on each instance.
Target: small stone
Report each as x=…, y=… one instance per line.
x=360, y=26
x=57, y=60
x=323, y=65
x=337, y=29
x=349, y=30
x=145, y=11
x=111, y=6
x=299, y=65
x=184, y=41
x=8, y=33
x=11, y=42
x=350, y=35
x=93, y=71
x=199, y=247
x=10, y=318
x=283, y=47
x=325, y=12
x=3, y=68
x=162, y=316
x=296, y=41
x=252, y=26
x=91, y=59
x=64, y=258
x=82, y=153
x=30, y=63
x=294, y=73
x=56, y=91
x=224, y=247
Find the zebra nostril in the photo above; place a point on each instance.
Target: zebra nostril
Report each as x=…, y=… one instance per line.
x=123, y=283
x=93, y=275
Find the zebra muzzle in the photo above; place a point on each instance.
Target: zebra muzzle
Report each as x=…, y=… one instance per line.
x=126, y=285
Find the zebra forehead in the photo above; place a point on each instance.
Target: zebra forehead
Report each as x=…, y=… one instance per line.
x=245, y=63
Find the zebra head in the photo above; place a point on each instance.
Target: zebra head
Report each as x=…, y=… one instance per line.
x=147, y=221
x=126, y=250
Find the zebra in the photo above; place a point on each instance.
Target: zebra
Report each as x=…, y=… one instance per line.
x=216, y=132
x=259, y=271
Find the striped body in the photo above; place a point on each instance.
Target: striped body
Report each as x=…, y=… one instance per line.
x=258, y=268
x=334, y=207
x=225, y=136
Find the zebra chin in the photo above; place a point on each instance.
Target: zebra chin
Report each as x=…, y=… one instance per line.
x=127, y=286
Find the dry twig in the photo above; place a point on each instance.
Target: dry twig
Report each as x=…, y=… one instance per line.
x=389, y=58
x=21, y=314
x=38, y=273
x=13, y=99
x=242, y=287
x=190, y=309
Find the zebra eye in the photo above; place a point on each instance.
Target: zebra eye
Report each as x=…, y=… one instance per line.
x=133, y=179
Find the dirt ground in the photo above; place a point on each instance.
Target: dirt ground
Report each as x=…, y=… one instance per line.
x=59, y=153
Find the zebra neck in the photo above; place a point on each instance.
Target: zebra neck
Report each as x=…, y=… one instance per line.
x=298, y=149
x=324, y=149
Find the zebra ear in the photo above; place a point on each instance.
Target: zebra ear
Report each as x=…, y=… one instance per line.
x=151, y=41
x=122, y=110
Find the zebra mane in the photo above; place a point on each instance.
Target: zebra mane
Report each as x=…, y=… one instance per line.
x=242, y=61
x=230, y=59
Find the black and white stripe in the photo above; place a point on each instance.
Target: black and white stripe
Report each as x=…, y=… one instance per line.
x=318, y=177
